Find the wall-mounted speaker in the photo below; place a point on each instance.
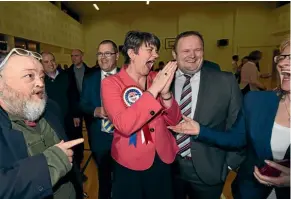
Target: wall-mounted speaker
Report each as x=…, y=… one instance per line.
x=222, y=42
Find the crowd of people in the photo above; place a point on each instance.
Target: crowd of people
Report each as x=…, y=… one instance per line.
x=174, y=133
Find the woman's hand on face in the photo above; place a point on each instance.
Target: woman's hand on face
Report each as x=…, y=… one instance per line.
x=282, y=181
x=188, y=126
x=163, y=78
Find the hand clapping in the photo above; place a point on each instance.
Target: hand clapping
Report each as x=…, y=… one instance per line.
x=163, y=80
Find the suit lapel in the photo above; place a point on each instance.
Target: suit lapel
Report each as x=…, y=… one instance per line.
x=263, y=132
x=173, y=87
x=202, y=97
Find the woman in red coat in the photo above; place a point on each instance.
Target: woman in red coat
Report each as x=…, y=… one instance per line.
x=140, y=105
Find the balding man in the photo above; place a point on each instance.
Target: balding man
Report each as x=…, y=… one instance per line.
x=77, y=72
x=35, y=161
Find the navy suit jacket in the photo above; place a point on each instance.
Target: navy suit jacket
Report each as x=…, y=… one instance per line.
x=90, y=99
x=252, y=129
x=23, y=176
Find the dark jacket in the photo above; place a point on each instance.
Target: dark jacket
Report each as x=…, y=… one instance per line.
x=218, y=103
x=77, y=96
x=90, y=99
x=254, y=130
x=22, y=176
x=62, y=90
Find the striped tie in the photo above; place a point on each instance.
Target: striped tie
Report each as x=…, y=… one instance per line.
x=183, y=140
x=107, y=125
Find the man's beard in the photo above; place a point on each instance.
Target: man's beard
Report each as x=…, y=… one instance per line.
x=21, y=105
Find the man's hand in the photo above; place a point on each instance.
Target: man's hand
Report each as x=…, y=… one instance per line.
x=188, y=126
x=76, y=122
x=100, y=112
x=66, y=147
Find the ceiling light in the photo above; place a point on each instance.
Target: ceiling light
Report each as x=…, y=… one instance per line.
x=95, y=6
x=148, y=2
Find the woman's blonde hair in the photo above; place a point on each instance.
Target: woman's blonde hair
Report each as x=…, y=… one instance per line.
x=285, y=44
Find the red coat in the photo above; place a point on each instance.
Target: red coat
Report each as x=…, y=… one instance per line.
x=128, y=120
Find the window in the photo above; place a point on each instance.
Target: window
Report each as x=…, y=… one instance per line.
x=27, y=44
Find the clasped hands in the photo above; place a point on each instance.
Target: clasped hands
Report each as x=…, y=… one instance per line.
x=162, y=82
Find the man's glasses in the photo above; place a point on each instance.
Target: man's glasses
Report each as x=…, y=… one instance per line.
x=21, y=52
x=106, y=54
x=279, y=58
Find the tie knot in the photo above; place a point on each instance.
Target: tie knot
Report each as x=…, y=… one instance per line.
x=107, y=74
x=188, y=76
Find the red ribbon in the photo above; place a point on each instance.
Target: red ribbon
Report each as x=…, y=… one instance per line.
x=147, y=133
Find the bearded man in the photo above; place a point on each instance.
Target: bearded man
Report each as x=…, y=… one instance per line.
x=36, y=161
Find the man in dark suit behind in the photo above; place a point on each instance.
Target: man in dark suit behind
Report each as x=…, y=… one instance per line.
x=60, y=89
x=100, y=140
x=213, y=99
x=76, y=72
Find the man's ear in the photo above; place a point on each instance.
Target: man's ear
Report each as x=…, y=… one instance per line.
x=117, y=56
x=174, y=54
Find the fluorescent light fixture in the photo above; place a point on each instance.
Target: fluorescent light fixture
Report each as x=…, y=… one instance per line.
x=148, y=2
x=95, y=6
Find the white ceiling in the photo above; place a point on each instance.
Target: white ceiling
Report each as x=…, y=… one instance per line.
x=85, y=8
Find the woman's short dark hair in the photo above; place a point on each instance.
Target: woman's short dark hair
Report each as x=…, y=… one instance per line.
x=135, y=39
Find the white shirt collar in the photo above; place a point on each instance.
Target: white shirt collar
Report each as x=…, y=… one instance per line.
x=112, y=72
x=179, y=73
x=55, y=75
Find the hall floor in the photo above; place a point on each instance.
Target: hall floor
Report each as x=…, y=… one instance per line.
x=91, y=185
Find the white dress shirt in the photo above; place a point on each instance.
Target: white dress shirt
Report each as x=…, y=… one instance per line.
x=53, y=76
x=280, y=141
x=103, y=73
x=179, y=83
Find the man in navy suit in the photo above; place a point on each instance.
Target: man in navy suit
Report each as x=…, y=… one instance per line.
x=99, y=139
x=35, y=162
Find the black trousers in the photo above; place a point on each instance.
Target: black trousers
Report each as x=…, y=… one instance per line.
x=105, y=164
x=75, y=133
x=187, y=182
x=154, y=183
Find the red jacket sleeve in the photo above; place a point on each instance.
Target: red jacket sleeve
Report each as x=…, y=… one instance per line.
x=127, y=120
x=173, y=114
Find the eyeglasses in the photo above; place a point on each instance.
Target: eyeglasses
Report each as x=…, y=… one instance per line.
x=21, y=52
x=106, y=54
x=279, y=58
